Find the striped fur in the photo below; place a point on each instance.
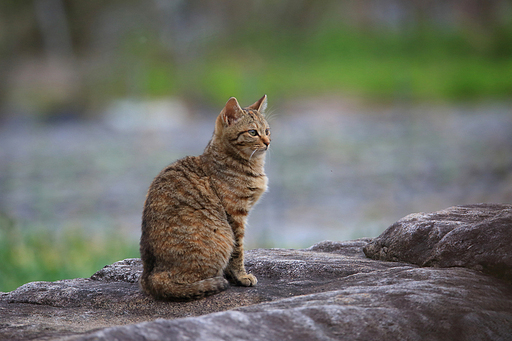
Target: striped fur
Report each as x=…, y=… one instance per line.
x=196, y=209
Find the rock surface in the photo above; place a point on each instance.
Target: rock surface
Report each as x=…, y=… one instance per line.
x=474, y=236
x=328, y=291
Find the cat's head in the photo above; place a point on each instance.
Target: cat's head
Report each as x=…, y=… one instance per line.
x=244, y=130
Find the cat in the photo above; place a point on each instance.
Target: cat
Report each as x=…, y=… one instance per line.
x=196, y=210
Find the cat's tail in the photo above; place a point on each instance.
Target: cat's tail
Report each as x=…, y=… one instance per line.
x=160, y=286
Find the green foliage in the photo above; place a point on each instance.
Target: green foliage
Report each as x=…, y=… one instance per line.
x=35, y=254
x=420, y=65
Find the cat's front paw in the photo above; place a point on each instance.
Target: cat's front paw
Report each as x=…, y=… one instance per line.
x=247, y=280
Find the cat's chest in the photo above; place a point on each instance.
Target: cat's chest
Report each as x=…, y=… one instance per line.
x=242, y=192
x=257, y=187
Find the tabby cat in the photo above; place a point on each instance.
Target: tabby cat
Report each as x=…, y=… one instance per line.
x=196, y=209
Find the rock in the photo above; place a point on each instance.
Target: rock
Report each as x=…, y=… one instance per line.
x=474, y=236
x=328, y=291
x=112, y=296
x=394, y=304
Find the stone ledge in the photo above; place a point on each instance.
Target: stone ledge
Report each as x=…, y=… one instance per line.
x=328, y=291
x=473, y=236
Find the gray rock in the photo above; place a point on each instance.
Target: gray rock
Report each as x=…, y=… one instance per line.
x=402, y=303
x=329, y=291
x=112, y=296
x=474, y=236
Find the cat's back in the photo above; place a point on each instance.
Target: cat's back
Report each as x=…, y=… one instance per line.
x=180, y=190
x=186, y=171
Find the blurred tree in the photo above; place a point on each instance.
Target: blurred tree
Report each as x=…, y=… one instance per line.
x=53, y=25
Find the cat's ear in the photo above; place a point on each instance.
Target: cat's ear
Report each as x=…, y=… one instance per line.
x=232, y=112
x=260, y=105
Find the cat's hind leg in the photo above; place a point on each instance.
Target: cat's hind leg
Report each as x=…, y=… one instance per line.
x=162, y=285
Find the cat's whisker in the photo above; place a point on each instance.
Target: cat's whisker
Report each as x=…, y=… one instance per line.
x=271, y=150
x=267, y=154
x=254, y=151
x=269, y=115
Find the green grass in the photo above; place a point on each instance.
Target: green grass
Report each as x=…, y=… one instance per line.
x=421, y=66
x=33, y=254
x=424, y=64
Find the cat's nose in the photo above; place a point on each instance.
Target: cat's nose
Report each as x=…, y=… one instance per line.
x=266, y=142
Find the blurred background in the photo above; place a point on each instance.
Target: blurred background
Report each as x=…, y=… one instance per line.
x=378, y=109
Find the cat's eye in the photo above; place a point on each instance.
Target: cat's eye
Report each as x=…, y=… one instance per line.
x=267, y=131
x=252, y=132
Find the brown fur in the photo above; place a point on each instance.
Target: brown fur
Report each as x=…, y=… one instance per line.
x=196, y=209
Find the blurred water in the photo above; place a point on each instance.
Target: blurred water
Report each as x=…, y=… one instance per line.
x=337, y=171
